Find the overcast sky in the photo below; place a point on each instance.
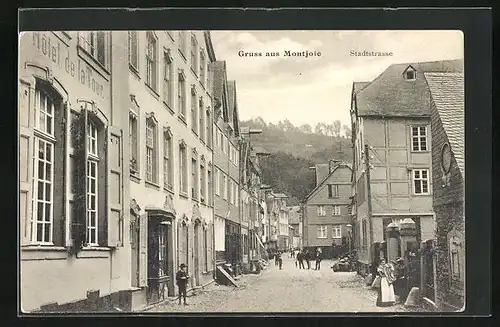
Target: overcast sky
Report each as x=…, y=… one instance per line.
x=314, y=89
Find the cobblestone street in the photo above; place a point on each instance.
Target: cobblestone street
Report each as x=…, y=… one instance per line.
x=287, y=290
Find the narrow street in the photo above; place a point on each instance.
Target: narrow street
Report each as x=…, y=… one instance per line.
x=287, y=290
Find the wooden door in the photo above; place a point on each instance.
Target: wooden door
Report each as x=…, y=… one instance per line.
x=196, y=248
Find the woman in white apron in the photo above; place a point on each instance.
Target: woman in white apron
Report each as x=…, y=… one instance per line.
x=386, y=295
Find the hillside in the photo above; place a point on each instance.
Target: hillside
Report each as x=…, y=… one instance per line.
x=295, y=149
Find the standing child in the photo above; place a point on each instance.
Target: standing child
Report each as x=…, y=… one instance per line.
x=182, y=277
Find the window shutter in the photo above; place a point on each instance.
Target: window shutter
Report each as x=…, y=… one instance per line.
x=115, y=196
x=143, y=250
x=78, y=224
x=26, y=115
x=104, y=202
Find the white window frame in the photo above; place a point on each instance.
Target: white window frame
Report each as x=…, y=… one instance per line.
x=201, y=118
x=321, y=211
x=202, y=68
x=87, y=40
x=336, y=231
x=336, y=210
x=44, y=201
x=92, y=193
x=217, y=181
x=194, y=110
x=183, y=187
x=224, y=186
x=45, y=110
x=167, y=79
x=134, y=136
x=417, y=177
x=152, y=61
x=133, y=51
x=168, y=180
x=151, y=151
x=194, y=179
x=181, y=95
x=194, y=54
x=322, y=231
x=419, y=138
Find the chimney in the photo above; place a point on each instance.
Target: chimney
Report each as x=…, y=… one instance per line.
x=332, y=164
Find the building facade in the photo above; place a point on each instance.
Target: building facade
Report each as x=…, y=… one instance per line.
x=226, y=167
x=448, y=173
x=396, y=131
x=295, y=220
x=170, y=160
x=73, y=183
x=326, y=211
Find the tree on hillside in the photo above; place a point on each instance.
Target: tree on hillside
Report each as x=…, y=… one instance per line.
x=259, y=121
x=336, y=127
x=347, y=131
x=306, y=128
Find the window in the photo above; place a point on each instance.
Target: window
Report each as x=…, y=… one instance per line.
x=183, y=168
x=230, y=191
x=217, y=182
x=321, y=211
x=322, y=231
x=236, y=198
x=162, y=250
x=43, y=180
x=133, y=142
x=133, y=50
x=182, y=43
x=194, y=51
x=43, y=170
x=194, y=178
x=194, y=111
x=336, y=210
x=151, y=60
x=167, y=79
x=360, y=192
x=419, y=138
x=333, y=191
x=94, y=43
x=202, y=119
x=167, y=160
x=209, y=129
x=202, y=183
x=202, y=68
x=421, y=181
x=210, y=188
x=336, y=231
x=205, y=243
x=92, y=173
x=181, y=95
x=224, y=187
x=365, y=240
x=151, y=151
x=410, y=74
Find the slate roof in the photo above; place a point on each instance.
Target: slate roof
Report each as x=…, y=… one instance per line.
x=318, y=185
x=391, y=95
x=447, y=91
x=322, y=170
x=358, y=86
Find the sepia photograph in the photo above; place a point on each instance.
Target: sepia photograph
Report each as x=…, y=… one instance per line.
x=261, y=171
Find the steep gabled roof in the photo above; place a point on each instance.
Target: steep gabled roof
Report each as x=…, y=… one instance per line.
x=233, y=106
x=326, y=178
x=220, y=87
x=447, y=91
x=322, y=172
x=391, y=95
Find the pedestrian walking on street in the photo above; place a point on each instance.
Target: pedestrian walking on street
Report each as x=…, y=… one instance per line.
x=307, y=256
x=276, y=259
x=182, y=277
x=318, y=260
x=280, y=261
x=386, y=295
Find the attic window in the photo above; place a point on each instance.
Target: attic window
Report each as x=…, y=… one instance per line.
x=410, y=74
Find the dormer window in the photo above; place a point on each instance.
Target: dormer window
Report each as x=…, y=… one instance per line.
x=410, y=74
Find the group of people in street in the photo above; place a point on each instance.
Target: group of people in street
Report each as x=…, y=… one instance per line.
x=305, y=255
x=392, y=281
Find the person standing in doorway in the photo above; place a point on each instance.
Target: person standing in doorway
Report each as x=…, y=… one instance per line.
x=386, y=295
x=182, y=277
x=318, y=260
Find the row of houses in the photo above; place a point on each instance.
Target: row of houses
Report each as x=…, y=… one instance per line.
x=131, y=162
x=408, y=167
